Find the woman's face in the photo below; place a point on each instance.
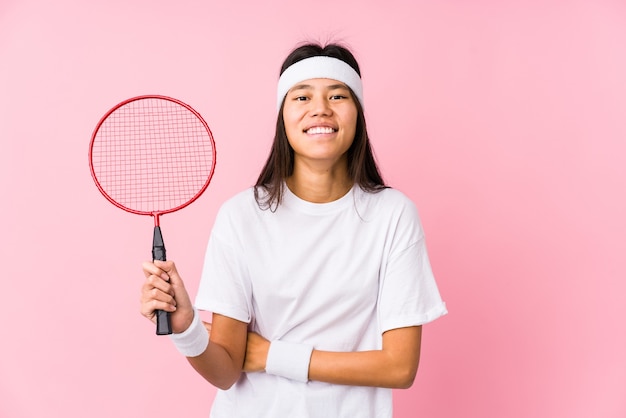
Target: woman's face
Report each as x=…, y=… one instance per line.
x=320, y=118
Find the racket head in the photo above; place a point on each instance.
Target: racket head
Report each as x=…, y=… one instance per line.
x=152, y=155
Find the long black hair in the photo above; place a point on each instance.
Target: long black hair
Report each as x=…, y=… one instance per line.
x=362, y=168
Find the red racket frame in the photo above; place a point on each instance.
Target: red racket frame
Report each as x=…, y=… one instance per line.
x=155, y=214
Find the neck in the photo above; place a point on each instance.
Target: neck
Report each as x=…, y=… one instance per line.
x=319, y=186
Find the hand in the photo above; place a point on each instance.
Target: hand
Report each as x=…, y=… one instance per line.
x=164, y=289
x=256, y=353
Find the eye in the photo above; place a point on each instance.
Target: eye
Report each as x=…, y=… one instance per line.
x=299, y=97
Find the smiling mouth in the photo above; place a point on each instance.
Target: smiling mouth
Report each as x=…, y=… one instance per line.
x=316, y=130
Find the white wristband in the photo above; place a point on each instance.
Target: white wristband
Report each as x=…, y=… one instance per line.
x=289, y=360
x=194, y=340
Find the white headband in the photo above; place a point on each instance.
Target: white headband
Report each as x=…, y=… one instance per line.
x=319, y=67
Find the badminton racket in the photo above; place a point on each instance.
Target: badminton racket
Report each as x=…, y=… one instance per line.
x=152, y=155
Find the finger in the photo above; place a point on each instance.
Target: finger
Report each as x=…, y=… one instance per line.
x=150, y=268
x=148, y=295
x=169, y=268
x=174, y=287
x=149, y=308
x=156, y=282
x=153, y=299
x=166, y=266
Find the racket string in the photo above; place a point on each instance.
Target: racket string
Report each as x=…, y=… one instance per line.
x=152, y=155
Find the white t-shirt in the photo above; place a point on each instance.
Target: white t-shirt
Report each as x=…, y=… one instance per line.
x=334, y=275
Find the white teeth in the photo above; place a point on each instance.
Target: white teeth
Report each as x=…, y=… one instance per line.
x=320, y=130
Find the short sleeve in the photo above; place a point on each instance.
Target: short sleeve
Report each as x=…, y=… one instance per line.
x=409, y=294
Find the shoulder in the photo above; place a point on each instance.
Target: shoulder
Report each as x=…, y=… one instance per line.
x=243, y=198
x=239, y=205
x=392, y=207
x=235, y=217
x=389, y=199
x=396, y=196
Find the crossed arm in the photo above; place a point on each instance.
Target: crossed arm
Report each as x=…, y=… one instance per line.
x=232, y=349
x=394, y=366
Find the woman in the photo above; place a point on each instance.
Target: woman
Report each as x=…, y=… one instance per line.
x=317, y=277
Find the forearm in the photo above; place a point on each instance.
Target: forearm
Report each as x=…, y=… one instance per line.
x=363, y=368
x=216, y=366
x=221, y=363
x=394, y=366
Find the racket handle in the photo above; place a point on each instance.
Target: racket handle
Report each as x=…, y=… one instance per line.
x=164, y=322
x=158, y=246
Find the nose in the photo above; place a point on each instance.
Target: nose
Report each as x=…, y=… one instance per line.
x=320, y=106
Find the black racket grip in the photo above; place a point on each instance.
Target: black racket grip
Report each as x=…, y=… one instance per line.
x=164, y=321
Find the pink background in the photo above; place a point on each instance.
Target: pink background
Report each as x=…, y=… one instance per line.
x=503, y=120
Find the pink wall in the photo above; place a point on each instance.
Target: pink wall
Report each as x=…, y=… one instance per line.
x=504, y=121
